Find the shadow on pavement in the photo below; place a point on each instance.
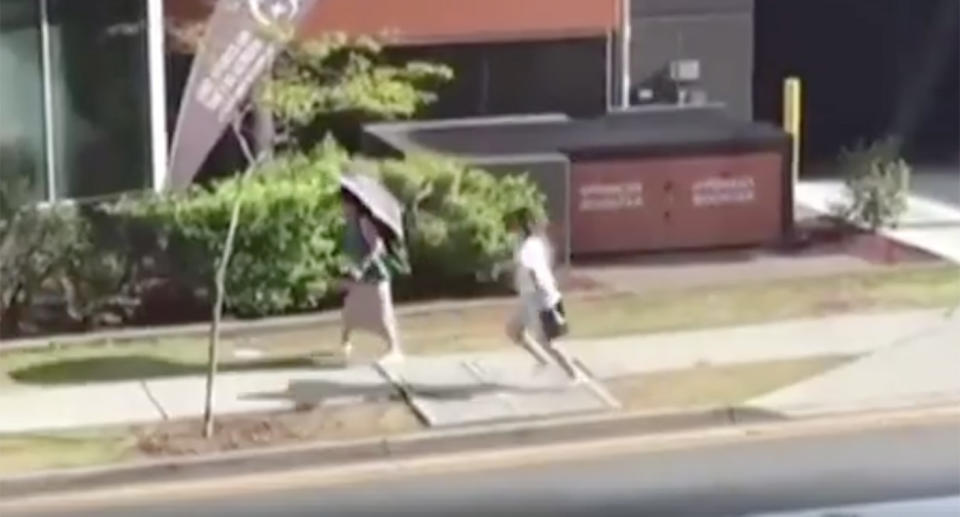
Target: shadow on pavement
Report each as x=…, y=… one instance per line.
x=316, y=392
x=111, y=369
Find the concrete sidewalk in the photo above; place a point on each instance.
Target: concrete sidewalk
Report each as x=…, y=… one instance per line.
x=928, y=224
x=922, y=370
x=905, y=345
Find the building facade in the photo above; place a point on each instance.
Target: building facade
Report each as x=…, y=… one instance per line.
x=79, y=92
x=89, y=90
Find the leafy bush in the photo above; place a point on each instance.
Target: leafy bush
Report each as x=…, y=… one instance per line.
x=37, y=244
x=458, y=233
x=57, y=275
x=33, y=241
x=57, y=271
x=878, y=181
x=287, y=250
x=288, y=254
x=101, y=278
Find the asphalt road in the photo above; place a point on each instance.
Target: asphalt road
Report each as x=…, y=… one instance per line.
x=748, y=476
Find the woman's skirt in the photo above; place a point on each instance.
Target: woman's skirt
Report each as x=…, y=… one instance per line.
x=369, y=307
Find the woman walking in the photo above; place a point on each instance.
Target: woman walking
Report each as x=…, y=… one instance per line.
x=369, y=301
x=539, y=314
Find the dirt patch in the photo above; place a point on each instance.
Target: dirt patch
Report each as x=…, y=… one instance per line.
x=574, y=282
x=260, y=430
x=880, y=250
x=825, y=236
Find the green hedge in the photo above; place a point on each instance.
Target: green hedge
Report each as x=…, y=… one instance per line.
x=458, y=235
x=60, y=272
x=76, y=267
x=288, y=257
x=287, y=244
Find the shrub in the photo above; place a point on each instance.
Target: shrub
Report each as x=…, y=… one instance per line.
x=877, y=181
x=287, y=250
x=57, y=271
x=37, y=244
x=101, y=278
x=34, y=241
x=56, y=275
x=288, y=253
x=458, y=233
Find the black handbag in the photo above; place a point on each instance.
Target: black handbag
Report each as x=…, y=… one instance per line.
x=554, y=321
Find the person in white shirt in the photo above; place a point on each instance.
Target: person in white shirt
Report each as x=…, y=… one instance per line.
x=537, y=291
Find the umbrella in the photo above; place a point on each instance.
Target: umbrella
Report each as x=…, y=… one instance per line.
x=377, y=199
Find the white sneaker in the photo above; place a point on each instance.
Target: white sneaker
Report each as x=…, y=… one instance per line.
x=346, y=350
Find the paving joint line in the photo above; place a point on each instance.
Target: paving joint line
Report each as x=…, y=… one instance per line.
x=403, y=391
x=153, y=400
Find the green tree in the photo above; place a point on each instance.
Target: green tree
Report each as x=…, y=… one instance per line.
x=332, y=83
x=335, y=83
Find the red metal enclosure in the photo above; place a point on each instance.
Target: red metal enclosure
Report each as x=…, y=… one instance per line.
x=636, y=204
x=649, y=179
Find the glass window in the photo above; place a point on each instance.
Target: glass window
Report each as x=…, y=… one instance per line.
x=21, y=95
x=101, y=97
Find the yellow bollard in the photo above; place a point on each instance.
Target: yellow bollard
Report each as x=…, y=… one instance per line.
x=792, y=110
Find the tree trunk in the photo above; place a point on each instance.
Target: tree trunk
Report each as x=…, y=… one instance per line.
x=220, y=280
x=263, y=131
x=214, y=345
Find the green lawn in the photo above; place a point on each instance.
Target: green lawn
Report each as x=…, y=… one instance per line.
x=481, y=328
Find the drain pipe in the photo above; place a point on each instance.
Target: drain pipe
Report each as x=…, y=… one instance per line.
x=626, y=28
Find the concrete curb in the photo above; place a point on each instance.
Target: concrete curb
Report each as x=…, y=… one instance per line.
x=476, y=438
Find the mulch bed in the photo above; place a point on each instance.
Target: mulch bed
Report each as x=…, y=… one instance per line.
x=252, y=431
x=823, y=236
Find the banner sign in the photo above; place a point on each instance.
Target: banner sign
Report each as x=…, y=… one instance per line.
x=235, y=51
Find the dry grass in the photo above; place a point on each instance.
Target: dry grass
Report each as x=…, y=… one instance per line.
x=480, y=328
x=715, y=385
x=63, y=450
